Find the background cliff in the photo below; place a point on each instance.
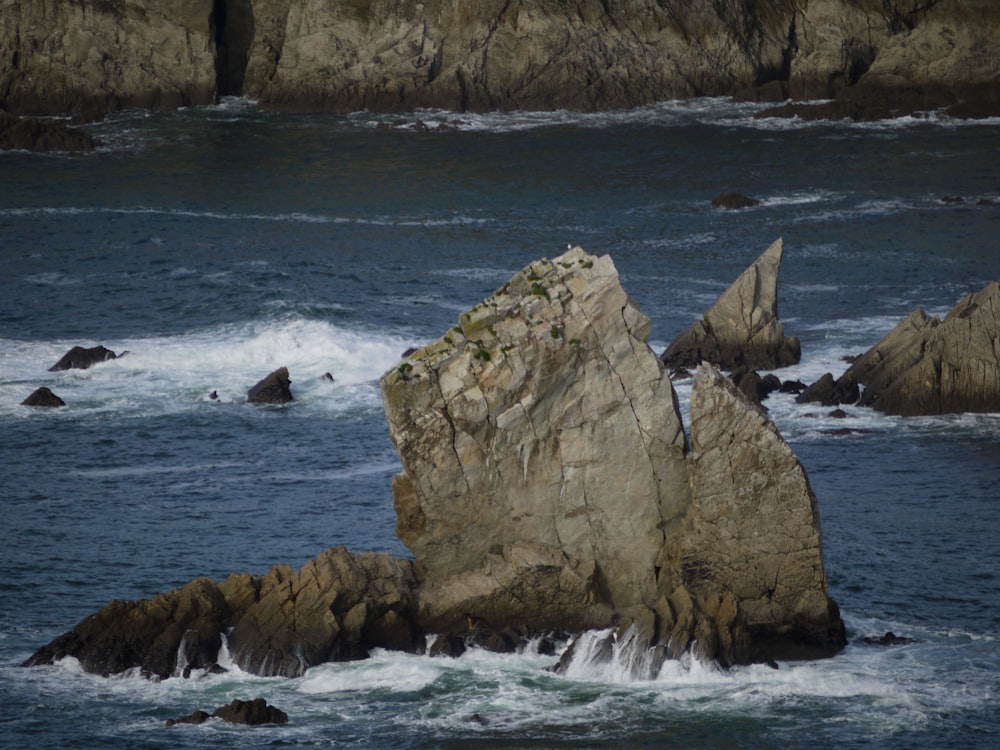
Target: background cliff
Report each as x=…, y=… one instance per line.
x=91, y=56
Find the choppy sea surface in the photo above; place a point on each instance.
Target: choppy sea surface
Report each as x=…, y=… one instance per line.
x=216, y=244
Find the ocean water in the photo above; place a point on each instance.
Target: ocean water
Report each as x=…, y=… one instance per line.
x=216, y=244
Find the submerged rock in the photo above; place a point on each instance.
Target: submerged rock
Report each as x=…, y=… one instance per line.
x=733, y=201
x=742, y=327
x=252, y=713
x=43, y=397
x=547, y=486
x=30, y=134
x=80, y=358
x=274, y=389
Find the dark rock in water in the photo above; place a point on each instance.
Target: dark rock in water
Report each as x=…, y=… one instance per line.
x=830, y=392
x=196, y=717
x=43, y=397
x=447, y=645
x=274, y=389
x=147, y=634
x=251, y=713
x=29, y=134
x=79, y=358
x=733, y=201
x=889, y=639
x=792, y=386
x=838, y=414
x=336, y=607
x=742, y=327
x=929, y=366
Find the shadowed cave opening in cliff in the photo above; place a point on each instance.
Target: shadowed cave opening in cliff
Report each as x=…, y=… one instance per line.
x=233, y=30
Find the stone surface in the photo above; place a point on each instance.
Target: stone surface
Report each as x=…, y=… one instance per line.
x=873, y=57
x=742, y=327
x=542, y=418
x=753, y=532
x=86, y=58
x=81, y=358
x=547, y=487
x=274, y=389
x=43, y=397
x=334, y=608
x=929, y=366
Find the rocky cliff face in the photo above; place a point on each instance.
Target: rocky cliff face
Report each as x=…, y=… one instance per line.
x=60, y=56
x=86, y=58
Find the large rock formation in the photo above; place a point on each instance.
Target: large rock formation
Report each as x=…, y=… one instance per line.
x=742, y=328
x=929, y=366
x=59, y=56
x=546, y=486
x=543, y=421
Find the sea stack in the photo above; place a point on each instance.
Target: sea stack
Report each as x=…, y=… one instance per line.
x=742, y=328
x=547, y=486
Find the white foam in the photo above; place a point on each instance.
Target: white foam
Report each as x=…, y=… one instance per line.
x=176, y=373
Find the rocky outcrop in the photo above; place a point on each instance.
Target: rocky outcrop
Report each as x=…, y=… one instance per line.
x=276, y=388
x=30, y=134
x=43, y=397
x=335, y=607
x=930, y=366
x=742, y=328
x=60, y=56
x=547, y=486
x=82, y=358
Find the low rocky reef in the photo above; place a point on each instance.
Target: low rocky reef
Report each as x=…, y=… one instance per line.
x=548, y=488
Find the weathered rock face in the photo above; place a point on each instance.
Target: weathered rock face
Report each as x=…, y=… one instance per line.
x=59, y=56
x=72, y=56
x=753, y=530
x=276, y=388
x=335, y=607
x=81, y=358
x=541, y=418
x=544, y=423
x=742, y=327
x=928, y=366
x=546, y=486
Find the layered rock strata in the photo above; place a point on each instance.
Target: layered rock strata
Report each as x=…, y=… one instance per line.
x=547, y=486
x=742, y=328
x=876, y=57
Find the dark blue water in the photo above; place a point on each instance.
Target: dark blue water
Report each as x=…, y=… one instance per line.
x=218, y=244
